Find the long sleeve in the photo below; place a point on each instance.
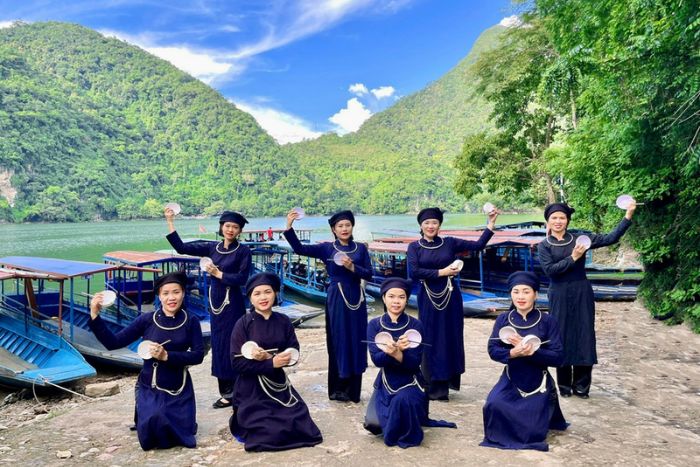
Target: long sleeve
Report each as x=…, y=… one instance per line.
x=314, y=251
x=185, y=248
x=364, y=270
x=195, y=354
x=240, y=277
x=601, y=240
x=551, y=353
x=414, y=268
x=466, y=245
x=121, y=339
x=551, y=267
x=498, y=351
x=411, y=357
x=241, y=364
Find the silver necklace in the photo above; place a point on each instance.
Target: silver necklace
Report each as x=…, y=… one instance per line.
x=226, y=252
x=348, y=304
x=346, y=252
x=167, y=328
x=510, y=321
x=571, y=239
x=388, y=328
x=420, y=242
x=443, y=296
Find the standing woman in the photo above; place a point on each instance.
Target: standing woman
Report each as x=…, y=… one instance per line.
x=346, y=309
x=165, y=402
x=270, y=414
x=523, y=406
x=229, y=272
x=398, y=408
x=571, y=295
x=440, y=300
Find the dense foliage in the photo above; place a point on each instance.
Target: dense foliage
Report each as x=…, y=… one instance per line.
x=92, y=127
x=622, y=81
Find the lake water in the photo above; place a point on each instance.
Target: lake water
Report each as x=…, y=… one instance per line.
x=89, y=241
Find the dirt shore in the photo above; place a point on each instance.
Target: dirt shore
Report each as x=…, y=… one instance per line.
x=644, y=410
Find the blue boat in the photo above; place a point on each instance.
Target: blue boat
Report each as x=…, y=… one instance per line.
x=31, y=355
x=58, y=295
x=137, y=285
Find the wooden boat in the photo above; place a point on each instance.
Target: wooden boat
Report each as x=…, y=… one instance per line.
x=265, y=258
x=57, y=293
x=514, y=248
x=31, y=355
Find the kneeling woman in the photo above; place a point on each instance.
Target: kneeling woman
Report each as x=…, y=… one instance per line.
x=523, y=406
x=269, y=414
x=165, y=402
x=399, y=405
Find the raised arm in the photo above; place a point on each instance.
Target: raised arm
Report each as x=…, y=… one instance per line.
x=314, y=251
x=126, y=336
x=466, y=245
x=186, y=248
x=601, y=240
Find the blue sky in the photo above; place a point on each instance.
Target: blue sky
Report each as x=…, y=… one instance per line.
x=300, y=67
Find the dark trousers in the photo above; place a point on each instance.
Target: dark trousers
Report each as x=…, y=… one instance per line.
x=226, y=388
x=574, y=379
x=342, y=389
x=440, y=390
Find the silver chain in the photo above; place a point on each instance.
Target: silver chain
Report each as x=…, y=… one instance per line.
x=226, y=252
x=347, y=304
x=268, y=385
x=443, y=296
x=215, y=310
x=394, y=391
x=541, y=389
x=154, y=384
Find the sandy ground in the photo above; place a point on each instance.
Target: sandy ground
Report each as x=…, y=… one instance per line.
x=644, y=410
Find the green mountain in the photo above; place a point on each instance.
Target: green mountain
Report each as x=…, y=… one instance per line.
x=92, y=127
x=401, y=159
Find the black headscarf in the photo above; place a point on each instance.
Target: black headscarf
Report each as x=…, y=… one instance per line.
x=524, y=278
x=396, y=283
x=429, y=213
x=341, y=215
x=558, y=207
x=172, y=278
x=263, y=278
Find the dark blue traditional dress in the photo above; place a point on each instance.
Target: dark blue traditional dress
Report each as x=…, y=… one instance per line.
x=226, y=301
x=270, y=414
x=571, y=302
x=346, y=314
x=523, y=406
x=399, y=403
x=440, y=310
x=165, y=402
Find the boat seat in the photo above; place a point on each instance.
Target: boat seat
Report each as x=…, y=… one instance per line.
x=14, y=363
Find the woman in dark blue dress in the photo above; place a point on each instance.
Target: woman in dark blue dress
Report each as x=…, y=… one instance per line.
x=440, y=307
x=523, y=406
x=269, y=415
x=570, y=294
x=346, y=309
x=398, y=408
x=165, y=402
x=229, y=272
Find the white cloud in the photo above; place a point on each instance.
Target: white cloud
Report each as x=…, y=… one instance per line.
x=351, y=117
x=511, y=21
x=358, y=89
x=204, y=65
x=284, y=127
x=7, y=24
x=383, y=91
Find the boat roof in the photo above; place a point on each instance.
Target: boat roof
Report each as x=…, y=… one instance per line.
x=500, y=238
x=54, y=267
x=144, y=258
